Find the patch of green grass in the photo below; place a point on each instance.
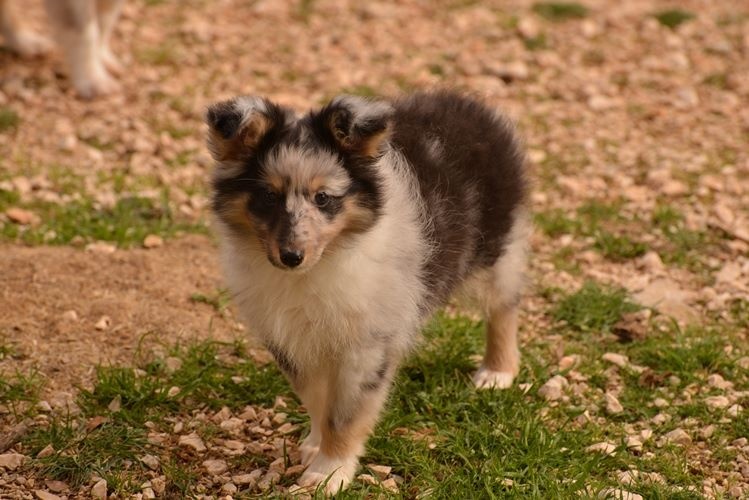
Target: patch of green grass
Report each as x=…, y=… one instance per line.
x=9, y=119
x=683, y=246
x=164, y=54
x=556, y=222
x=209, y=376
x=618, y=248
x=672, y=18
x=537, y=42
x=304, y=9
x=739, y=309
x=126, y=224
x=593, y=308
x=19, y=392
x=718, y=80
x=560, y=11
x=219, y=300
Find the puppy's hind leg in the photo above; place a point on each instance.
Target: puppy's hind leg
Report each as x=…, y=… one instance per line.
x=107, y=12
x=502, y=358
x=20, y=39
x=79, y=36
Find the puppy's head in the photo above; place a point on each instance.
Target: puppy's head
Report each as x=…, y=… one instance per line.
x=297, y=186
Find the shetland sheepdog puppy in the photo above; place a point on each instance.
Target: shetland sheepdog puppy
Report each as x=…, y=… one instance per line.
x=83, y=28
x=342, y=230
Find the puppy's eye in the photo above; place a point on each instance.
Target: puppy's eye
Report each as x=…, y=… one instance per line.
x=269, y=197
x=321, y=199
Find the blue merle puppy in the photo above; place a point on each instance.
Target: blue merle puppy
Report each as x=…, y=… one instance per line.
x=343, y=229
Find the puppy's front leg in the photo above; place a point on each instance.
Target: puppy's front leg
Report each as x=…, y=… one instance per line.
x=19, y=38
x=357, y=389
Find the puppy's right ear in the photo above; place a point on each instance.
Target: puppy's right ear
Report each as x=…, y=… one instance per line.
x=238, y=126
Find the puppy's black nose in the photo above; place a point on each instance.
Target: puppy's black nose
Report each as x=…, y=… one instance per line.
x=292, y=258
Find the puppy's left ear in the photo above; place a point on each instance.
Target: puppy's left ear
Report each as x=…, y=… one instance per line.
x=358, y=125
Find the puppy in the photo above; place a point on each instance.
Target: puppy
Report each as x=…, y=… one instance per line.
x=83, y=29
x=344, y=229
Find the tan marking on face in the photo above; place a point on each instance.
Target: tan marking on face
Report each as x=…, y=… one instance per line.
x=276, y=182
x=235, y=213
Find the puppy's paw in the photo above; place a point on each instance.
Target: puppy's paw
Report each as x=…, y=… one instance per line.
x=111, y=62
x=485, y=378
x=335, y=473
x=309, y=449
x=95, y=85
x=29, y=44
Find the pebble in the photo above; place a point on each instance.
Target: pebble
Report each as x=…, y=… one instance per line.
x=619, y=494
x=660, y=403
x=215, y=467
x=45, y=495
x=613, y=406
x=104, y=323
x=604, y=447
x=717, y=402
x=56, y=486
x=367, y=479
x=192, y=441
x=153, y=241
x=151, y=461
x=707, y=431
x=101, y=247
x=552, y=389
x=99, y=490
x=568, y=362
x=677, y=436
x=734, y=411
x=619, y=360
x=381, y=471
x=229, y=488
x=634, y=443
x=70, y=315
x=46, y=451
x=11, y=460
x=21, y=216
x=390, y=485
x=249, y=479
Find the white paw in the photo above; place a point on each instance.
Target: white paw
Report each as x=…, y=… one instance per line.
x=29, y=44
x=335, y=473
x=97, y=84
x=485, y=378
x=110, y=61
x=309, y=450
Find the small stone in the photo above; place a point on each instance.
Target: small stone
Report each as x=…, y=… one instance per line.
x=99, y=490
x=172, y=364
x=390, y=485
x=215, y=467
x=148, y=492
x=528, y=28
x=229, y=488
x=646, y=434
x=381, y=471
x=44, y=406
x=11, y=461
x=45, y=495
x=294, y=470
x=660, y=419
x=552, y=389
x=717, y=381
x=21, y=216
x=271, y=478
x=740, y=442
x=678, y=436
x=247, y=479
x=568, y=362
x=153, y=241
x=287, y=428
x=173, y=391
x=660, y=403
x=634, y=443
x=735, y=491
x=56, y=486
x=233, y=425
x=159, y=485
x=717, y=402
x=651, y=262
x=367, y=479
x=613, y=406
x=603, y=447
x=743, y=362
x=70, y=315
x=729, y=273
x=101, y=247
x=734, y=411
x=248, y=413
x=192, y=441
x=619, y=494
x=233, y=444
x=707, y=431
x=47, y=451
x=278, y=418
x=178, y=427
x=619, y=360
x=151, y=461
x=104, y=323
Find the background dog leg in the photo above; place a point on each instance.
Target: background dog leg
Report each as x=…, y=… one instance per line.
x=107, y=12
x=79, y=36
x=358, y=395
x=20, y=39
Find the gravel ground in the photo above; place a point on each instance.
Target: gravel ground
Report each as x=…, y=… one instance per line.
x=620, y=113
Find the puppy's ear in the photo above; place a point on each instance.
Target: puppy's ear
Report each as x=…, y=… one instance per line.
x=357, y=125
x=237, y=126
